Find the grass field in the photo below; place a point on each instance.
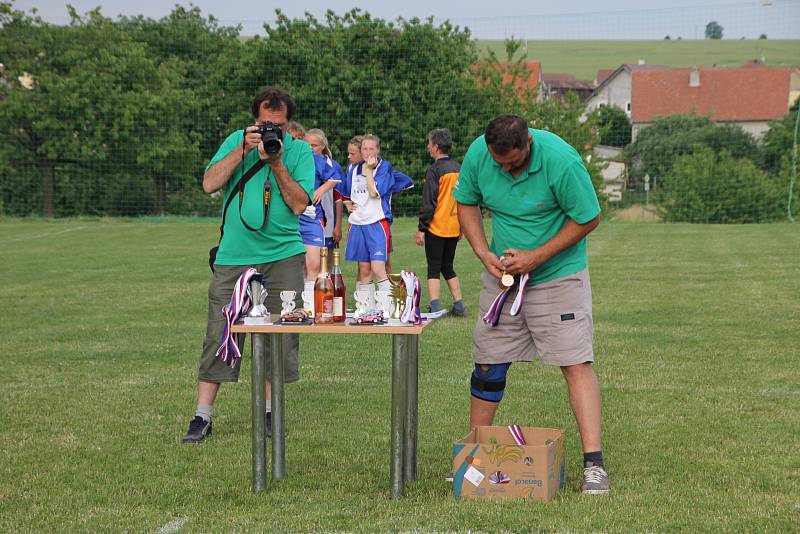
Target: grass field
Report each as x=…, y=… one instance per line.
x=584, y=58
x=697, y=352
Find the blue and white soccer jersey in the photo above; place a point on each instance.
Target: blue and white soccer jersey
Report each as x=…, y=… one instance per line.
x=312, y=225
x=368, y=238
x=368, y=242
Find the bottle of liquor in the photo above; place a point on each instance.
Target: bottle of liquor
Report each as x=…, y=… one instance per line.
x=339, y=291
x=323, y=294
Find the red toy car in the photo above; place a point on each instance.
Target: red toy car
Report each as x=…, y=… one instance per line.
x=371, y=317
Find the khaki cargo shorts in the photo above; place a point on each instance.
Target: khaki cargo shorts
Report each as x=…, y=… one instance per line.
x=554, y=323
x=281, y=275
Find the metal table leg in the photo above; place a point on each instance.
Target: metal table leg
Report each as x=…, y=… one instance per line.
x=259, y=406
x=412, y=377
x=400, y=345
x=278, y=436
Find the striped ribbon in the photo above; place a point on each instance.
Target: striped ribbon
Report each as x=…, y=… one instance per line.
x=411, y=313
x=492, y=316
x=516, y=431
x=240, y=303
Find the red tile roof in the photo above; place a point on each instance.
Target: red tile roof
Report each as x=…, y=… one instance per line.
x=743, y=94
x=602, y=74
x=534, y=69
x=566, y=81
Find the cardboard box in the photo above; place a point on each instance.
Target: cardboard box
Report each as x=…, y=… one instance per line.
x=488, y=464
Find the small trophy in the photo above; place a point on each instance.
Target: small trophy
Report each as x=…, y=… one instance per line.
x=308, y=301
x=287, y=302
x=362, y=298
x=399, y=294
x=258, y=313
x=385, y=302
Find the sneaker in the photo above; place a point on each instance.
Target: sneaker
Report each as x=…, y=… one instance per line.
x=199, y=429
x=449, y=477
x=458, y=312
x=595, y=480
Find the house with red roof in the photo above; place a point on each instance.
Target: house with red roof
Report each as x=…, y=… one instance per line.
x=556, y=85
x=749, y=96
x=529, y=75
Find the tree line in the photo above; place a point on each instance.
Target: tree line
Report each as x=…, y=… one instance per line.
x=121, y=116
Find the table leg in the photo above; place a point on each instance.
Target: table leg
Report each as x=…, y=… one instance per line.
x=412, y=377
x=399, y=382
x=278, y=435
x=259, y=405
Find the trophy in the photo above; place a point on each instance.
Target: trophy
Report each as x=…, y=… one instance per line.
x=384, y=301
x=287, y=301
x=308, y=301
x=258, y=295
x=362, y=298
x=399, y=294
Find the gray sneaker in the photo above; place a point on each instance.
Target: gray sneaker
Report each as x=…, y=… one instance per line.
x=595, y=481
x=449, y=477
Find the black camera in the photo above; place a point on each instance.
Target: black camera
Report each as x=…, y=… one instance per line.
x=271, y=136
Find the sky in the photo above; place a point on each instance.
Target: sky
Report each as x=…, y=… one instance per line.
x=565, y=19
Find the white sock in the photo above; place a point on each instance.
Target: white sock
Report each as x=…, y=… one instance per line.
x=384, y=285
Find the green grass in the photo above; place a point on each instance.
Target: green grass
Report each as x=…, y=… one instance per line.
x=584, y=58
x=697, y=352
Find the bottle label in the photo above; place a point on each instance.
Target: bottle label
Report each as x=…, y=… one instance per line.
x=337, y=307
x=327, y=308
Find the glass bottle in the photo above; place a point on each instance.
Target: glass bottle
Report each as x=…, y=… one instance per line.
x=339, y=291
x=323, y=293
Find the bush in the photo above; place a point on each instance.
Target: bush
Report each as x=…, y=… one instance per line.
x=709, y=188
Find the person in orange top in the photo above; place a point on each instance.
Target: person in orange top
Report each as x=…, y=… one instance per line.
x=438, y=228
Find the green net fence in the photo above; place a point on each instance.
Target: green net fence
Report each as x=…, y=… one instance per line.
x=676, y=117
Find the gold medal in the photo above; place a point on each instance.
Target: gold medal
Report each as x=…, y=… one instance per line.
x=506, y=280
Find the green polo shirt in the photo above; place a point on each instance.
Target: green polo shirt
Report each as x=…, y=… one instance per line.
x=529, y=210
x=280, y=237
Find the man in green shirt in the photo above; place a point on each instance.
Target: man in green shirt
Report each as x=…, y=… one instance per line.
x=543, y=205
x=265, y=236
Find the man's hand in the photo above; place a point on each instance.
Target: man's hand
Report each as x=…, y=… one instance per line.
x=273, y=160
x=252, y=139
x=420, y=238
x=492, y=264
x=350, y=205
x=337, y=234
x=516, y=261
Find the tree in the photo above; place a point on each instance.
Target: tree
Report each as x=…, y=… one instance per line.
x=93, y=125
x=713, y=30
x=763, y=36
x=659, y=145
x=778, y=141
x=615, y=127
x=717, y=188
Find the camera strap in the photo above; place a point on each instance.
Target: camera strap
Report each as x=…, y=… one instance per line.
x=239, y=190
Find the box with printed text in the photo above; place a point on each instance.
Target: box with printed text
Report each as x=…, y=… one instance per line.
x=490, y=463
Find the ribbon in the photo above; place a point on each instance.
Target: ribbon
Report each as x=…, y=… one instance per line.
x=240, y=303
x=492, y=316
x=411, y=313
x=516, y=431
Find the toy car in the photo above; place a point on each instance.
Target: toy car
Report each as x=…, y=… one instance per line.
x=371, y=317
x=296, y=316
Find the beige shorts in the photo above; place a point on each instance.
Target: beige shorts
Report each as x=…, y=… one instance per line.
x=554, y=323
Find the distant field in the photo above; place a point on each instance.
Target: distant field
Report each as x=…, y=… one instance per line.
x=584, y=58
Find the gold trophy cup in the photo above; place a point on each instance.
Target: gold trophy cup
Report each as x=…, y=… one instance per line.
x=399, y=294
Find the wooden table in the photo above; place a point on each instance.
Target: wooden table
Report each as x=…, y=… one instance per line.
x=405, y=368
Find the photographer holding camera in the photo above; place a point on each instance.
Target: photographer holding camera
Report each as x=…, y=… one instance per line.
x=267, y=178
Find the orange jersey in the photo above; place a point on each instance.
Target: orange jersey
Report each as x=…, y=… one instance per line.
x=438, y=213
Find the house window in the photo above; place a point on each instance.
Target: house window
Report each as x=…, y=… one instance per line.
x=628, y=107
